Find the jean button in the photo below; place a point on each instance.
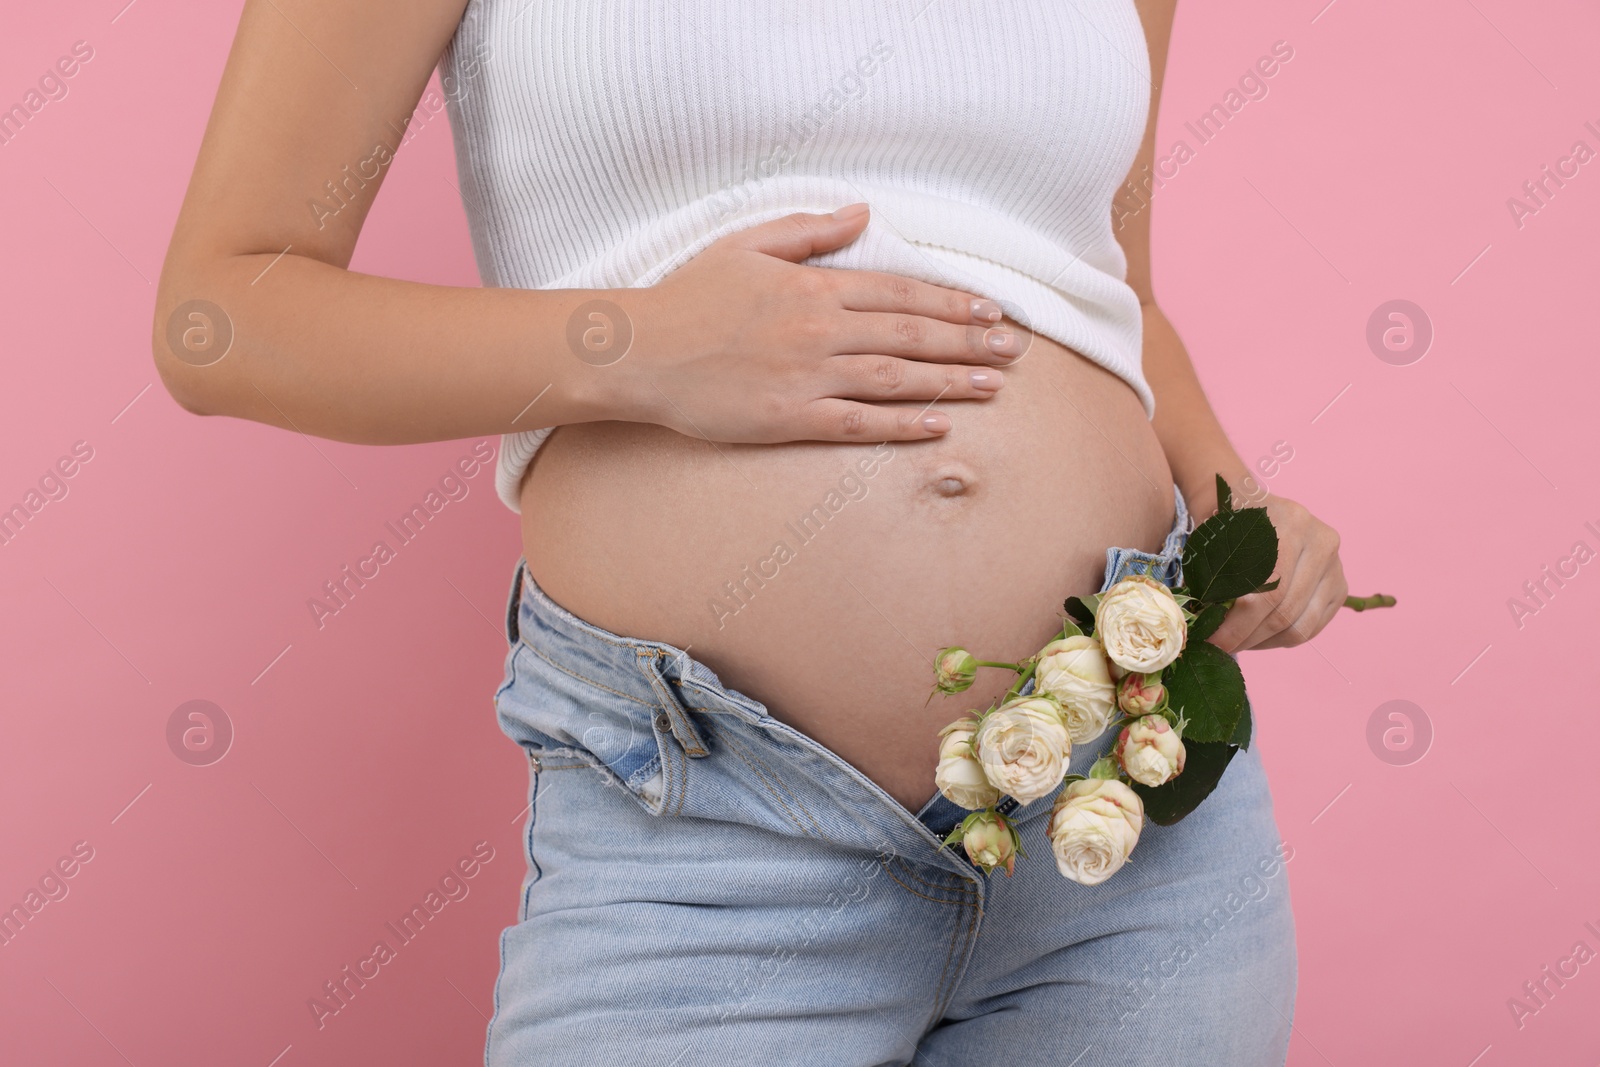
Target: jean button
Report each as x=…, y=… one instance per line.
x=663, y=723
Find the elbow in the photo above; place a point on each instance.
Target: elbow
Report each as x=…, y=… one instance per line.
x=183, y=382
x=187, y=399
x=189, y=339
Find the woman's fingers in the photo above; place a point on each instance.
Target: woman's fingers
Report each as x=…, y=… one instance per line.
x=833, y=419
x=1273, y=610
x=1313, y=591
x=801, y=234
x=1243, y=618
x=1323, y=605
x=893, y=378
x=1310, y=592
x=920, y=337
x=1316, y=562
x=1286, y=605
x=801, y=353
x=871, y=290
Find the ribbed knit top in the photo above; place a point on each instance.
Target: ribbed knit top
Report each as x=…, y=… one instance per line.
x=604, y=143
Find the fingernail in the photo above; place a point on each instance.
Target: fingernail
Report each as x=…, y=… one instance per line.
x=987, y=380
x=986, y=311
x=850, y=211
x=1000, y=346
x=936, y=422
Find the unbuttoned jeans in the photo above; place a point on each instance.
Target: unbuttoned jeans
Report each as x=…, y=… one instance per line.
x=707, y=885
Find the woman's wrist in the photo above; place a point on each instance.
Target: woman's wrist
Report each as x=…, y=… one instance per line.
x=602, y=355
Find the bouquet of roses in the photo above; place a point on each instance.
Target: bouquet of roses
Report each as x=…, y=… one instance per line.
x=1133, y=657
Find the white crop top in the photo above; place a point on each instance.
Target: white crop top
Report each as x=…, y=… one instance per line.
x=604, y=143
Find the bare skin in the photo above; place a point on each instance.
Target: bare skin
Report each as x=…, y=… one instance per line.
x=975, y=538
x=755, y=385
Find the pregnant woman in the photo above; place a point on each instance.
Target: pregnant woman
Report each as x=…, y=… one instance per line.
x=820, y=337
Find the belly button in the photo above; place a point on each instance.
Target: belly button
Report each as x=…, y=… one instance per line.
x=950, y=482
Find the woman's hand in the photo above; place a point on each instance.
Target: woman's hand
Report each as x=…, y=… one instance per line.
x=1311, y=587
x=744, y=344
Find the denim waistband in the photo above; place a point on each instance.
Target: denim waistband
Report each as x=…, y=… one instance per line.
x=659, y=724
x=662, y=680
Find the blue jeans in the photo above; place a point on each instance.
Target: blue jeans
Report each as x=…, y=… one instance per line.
x=707, y=885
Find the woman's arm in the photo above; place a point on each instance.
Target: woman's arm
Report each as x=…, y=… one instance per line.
x=1197, y=448
x=308, y=95
x=1312, y=586
x=742, y=340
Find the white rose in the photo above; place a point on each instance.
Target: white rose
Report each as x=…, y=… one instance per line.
x=960, y=776
x=1024, y=747
x=1150, y=750
x=1074, y=671
x=1093, y=827
x=1140, y=625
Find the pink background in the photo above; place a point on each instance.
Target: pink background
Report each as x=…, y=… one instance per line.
x=366, y=759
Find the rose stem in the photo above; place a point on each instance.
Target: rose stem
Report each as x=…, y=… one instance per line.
x=1016, y=687
x=1362, y=603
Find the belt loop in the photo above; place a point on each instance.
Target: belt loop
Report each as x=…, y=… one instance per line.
x=672, y=709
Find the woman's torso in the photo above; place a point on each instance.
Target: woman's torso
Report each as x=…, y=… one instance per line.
x=603, y=142
x=820, y=578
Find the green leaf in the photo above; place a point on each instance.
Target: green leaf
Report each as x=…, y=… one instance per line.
x=1071, y=629
x=1206, y=686
x=1203, y=764
x=1224, y=496
x=1207, y=622
x=1269, y=587
x=1082, y=609
x=1104, y=767
x=1230, y=554
x=1241, y=733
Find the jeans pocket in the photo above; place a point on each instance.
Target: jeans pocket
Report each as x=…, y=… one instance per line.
x=564, y=721
x=644, y=786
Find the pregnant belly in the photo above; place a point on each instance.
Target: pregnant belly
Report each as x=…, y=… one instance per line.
x=820, y=578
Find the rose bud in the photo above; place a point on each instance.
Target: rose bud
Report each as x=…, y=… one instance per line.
x=954, y=670
x=1140, y=625
x=991, y=842
x=1138, y=694
x=1024, y=747
x=1094, y=825
x=960, y=776
x=1075, y=672
x=1150, y=750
